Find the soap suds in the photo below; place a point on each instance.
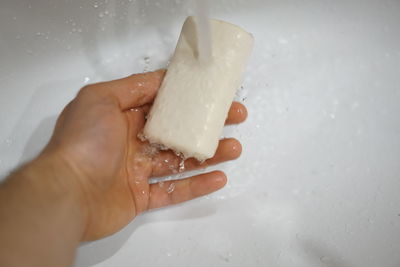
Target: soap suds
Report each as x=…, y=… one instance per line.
x=150, y=150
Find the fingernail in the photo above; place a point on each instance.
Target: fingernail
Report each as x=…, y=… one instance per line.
x=220, y=178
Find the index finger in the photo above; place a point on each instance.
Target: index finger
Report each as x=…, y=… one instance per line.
x=135, y=90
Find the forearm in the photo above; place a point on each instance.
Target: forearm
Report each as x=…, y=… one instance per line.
x=41, y=221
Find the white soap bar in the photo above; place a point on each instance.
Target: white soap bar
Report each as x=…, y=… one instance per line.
x=193, y=101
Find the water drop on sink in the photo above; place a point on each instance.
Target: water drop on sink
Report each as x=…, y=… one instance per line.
x=9, y=142
x=324, y=259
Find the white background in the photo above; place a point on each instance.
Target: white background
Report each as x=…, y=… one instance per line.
x=318, y=183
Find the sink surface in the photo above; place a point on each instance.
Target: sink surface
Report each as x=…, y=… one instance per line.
x=318, y=182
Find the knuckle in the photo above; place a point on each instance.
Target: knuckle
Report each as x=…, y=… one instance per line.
x=87, y=89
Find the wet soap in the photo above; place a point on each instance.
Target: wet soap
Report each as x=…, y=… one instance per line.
x=193, y=101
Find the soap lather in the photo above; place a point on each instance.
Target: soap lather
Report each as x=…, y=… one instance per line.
x=192, y=104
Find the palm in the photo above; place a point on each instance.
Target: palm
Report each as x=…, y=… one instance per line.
x=115, y=165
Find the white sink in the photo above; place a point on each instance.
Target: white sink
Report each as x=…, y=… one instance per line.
x=318, y=183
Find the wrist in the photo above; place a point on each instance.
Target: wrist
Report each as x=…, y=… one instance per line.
x=41, y=214
x=52, y=181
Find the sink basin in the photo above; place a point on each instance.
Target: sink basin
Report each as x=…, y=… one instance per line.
x=318, y=182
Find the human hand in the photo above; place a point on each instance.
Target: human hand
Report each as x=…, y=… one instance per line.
x=96, y=137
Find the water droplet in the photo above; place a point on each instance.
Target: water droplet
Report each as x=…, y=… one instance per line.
x=226, y=257
x=171, y=188
x=140, y=135
x=143, y=192
x=8, y=142
x=182, y=165
x=324, y=259
x=283, y=41
x=101, y=14
x=161, y=184
x=86, y=80
x=299, y=236
x=355, y=105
